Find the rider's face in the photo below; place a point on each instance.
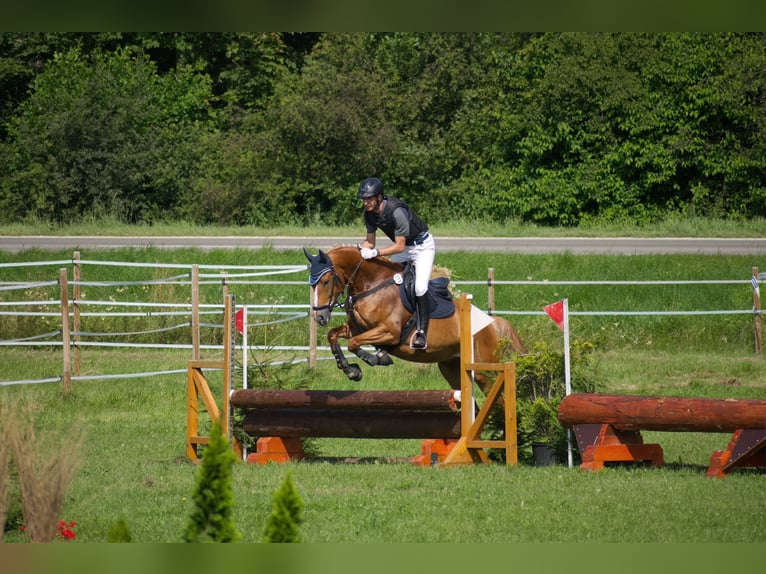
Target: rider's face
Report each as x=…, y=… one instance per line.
x=371, y=203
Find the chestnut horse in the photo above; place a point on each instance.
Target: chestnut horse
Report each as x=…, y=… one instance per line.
x=369, y=292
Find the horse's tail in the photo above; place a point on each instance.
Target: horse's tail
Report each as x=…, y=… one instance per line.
x=507, y=335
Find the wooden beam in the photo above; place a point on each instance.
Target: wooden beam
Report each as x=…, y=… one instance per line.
x=632, y=412
x=414, y=400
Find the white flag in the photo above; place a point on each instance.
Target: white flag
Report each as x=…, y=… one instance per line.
x=479, y=320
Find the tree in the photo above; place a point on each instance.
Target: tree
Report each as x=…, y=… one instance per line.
x=282, y=525
x=104, y=135
x=211, y=519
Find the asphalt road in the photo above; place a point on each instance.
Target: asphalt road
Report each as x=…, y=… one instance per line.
x=574, y=245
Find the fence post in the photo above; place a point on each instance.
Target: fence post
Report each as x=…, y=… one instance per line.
x=757, y=310
x=76, y=305
x=491, y=290
x=195, y=312
x=65, y=334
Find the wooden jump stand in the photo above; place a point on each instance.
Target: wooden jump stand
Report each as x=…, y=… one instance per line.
x=608, y=428
x=197, y=387
x=466, y=448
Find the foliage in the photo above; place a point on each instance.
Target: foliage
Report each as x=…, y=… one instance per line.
x=561, y=129
x=46, y=463
x=104, y=134
x=540, y=388
x=211, y=519
x=286, y=515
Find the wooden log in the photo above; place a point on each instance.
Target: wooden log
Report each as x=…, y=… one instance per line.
x=352, y=400
x=295, y=423
x=631, y=412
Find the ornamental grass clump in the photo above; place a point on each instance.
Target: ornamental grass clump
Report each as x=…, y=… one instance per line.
x=46, y=463
x=5, y=459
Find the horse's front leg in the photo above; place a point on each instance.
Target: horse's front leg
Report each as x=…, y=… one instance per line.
x=352, y=371
x=378, y=336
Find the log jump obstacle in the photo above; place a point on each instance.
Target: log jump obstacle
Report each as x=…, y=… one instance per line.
x=283, y=417
x=447, y=420
x=608, y=428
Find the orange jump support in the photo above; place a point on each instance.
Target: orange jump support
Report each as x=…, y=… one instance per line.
x=607, y=427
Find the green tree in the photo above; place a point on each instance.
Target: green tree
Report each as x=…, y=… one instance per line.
x=106, y=135
x=211, y=519
x=286, y=514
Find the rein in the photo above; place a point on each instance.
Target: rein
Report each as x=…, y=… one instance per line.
x=348, y=305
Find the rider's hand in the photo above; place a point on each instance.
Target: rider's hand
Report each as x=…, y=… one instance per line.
x=368, y=253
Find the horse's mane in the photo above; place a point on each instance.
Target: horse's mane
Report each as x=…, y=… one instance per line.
x=344, y=253
x=342, y=249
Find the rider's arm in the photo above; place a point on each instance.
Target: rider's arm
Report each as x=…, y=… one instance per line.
x=400, y=233
x=396, y=247
x=369, y=242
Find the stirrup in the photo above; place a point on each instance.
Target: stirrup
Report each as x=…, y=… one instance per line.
x=416, y=343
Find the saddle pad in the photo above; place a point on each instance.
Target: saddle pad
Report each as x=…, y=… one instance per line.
x=440, y=303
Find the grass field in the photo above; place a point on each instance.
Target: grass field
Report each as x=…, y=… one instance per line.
x=133, y=464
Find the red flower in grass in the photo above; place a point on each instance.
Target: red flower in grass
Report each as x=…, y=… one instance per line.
x=65, y=529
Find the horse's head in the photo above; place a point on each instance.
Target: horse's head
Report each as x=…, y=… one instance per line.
x=326, y=286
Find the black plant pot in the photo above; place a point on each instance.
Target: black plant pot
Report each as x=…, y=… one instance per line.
x=543, y=454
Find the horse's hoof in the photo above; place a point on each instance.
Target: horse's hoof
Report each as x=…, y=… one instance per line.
x=354, y=373
x=384, y=359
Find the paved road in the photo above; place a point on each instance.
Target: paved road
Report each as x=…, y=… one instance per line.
x=574, y=245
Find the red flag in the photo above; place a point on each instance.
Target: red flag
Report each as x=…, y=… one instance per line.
x=556, y=312
x=239, y=321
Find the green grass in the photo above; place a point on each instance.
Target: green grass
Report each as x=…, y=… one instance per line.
x=133, y=462
x=133, y=465
x=674, y=226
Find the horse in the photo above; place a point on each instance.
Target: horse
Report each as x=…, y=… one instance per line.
x=376, y=315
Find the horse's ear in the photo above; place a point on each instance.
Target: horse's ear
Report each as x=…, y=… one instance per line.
x=323, y=257
x=308, y=255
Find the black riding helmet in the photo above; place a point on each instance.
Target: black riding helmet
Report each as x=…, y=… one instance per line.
x=370, y=187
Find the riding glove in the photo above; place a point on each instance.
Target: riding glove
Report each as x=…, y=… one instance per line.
x=368, y=253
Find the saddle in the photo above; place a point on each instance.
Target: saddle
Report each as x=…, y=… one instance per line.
x=439, y=299
x=440, y=303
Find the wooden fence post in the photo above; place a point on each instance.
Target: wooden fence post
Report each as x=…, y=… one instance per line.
x=491, y=290
x=65, y=334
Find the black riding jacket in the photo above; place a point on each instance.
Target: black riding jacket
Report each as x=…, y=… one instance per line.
x=387, y=224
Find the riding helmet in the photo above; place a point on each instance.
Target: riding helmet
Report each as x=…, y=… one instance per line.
x=370, y=187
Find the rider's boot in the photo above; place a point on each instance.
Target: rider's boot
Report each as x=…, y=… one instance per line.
x=419, y=339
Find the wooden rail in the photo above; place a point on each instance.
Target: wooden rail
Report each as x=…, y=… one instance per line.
x=607, y=428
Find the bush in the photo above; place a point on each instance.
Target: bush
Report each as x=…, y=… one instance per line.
x=211, y=519
x=282, y=525
x=540, y=388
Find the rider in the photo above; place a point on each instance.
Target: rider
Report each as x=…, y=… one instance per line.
x=412, y=242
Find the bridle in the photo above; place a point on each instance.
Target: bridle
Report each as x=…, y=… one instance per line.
x=348, y=304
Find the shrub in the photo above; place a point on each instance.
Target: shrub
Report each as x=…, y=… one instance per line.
x=282, y=525
x=211, y=519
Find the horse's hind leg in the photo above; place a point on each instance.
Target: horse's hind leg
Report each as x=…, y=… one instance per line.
x=450, y=370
